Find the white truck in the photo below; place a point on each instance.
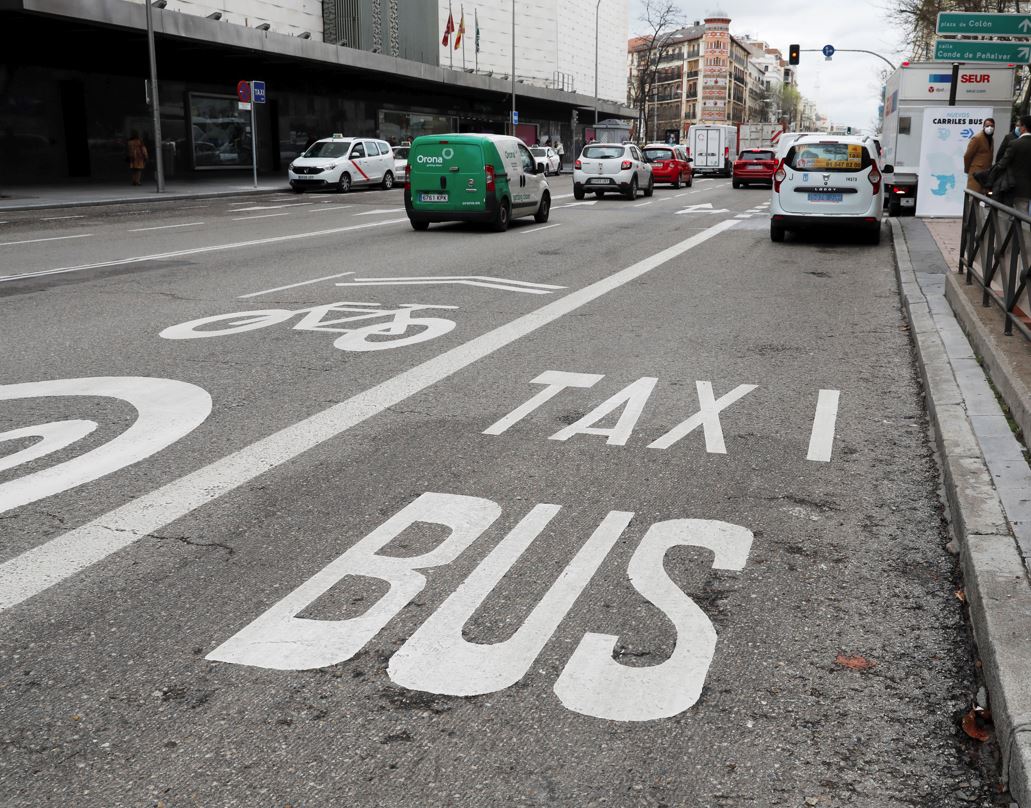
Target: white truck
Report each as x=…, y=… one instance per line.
x=713, y=148
x=916, y=86
x=757, y=135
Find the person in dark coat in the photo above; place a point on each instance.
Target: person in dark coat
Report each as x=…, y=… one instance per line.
x=1014, y=169
x=1011, y=135
x=979, y=153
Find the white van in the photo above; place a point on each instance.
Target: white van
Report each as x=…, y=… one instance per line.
x=713, y=148
x=343, y=163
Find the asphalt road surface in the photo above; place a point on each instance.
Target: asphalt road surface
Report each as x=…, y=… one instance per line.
x=301, y=507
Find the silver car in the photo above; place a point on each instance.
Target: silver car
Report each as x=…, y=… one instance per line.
x=612, y=168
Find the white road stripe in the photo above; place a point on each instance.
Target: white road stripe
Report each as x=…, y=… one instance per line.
x=378, y=211
x=37, y=240
x=259, y=216
x=821, y=442
x=36, y=570
x=538, y=229
x=323, y=210
x=743, y=216
x=193, y=207
x=56, y=218
x=194, y=251
x=561, y=196
x=642, y=204
x=293, y=285
x=164, y=227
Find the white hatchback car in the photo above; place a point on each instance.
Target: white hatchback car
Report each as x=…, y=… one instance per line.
x=547, y=158
x=830, y=182
x=343, y=163
x=608, y=167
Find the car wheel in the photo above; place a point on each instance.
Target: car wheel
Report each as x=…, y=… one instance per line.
x=676, y=184
x=776, y=232
x=874, y=236
x=631, y=192
x=541, y=216
x=735, y=184
x=578, y=192
x=502, y=217
x=651, y=187
x=690, y=181
x=345, y=183
x=388, y=181
x=894, y=208
x=418, y=225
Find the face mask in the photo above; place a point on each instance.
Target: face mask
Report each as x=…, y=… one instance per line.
x=989, y=129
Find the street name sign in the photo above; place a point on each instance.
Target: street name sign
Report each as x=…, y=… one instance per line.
x=954, y=22
x=966, y=50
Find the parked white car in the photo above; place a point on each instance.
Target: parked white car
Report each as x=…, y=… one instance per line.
x=343, y=163
x=400, y=163
x=547, y=158
x=830, y=182
x=612, y=167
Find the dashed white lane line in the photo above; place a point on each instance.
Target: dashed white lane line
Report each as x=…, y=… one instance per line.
x=193, y=207
x=260, y=216
x=743, y=216
x=56, y=218
x=335, y=207
x=538, y=229
x=48, y=564
x=139, y=259
x=379, y=211
x=642, y=204
x=164, y=227
x=4, y=222
x=274, y=207
x=574, y=204
x=562, y=196
x=294, y=285
x=37, y=240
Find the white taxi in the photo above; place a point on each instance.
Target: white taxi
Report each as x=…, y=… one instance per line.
x=343, y=163
x=828, y=182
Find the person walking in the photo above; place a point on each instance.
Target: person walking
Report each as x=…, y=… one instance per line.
x=979, y=154
x=560, y=150
x=1014, y=170
x=136, y=156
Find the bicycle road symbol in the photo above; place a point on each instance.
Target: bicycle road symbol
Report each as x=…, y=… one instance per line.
x=391, y=330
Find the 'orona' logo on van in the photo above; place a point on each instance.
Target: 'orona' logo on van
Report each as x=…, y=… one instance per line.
x=436, y=161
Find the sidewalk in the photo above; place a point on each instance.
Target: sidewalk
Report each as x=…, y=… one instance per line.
x=74, y=194
x=987, y=478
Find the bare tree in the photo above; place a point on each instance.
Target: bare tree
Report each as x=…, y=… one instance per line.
x=662, y=20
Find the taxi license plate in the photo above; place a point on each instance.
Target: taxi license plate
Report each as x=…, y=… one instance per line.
x=433, y=197
x=825, y=197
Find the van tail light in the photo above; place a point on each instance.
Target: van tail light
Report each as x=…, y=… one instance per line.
x=779, y=176
x=726, y=152
x=578, y=165
x=875, y=179
x=408, y=177
x=490, y=177
x=626, y=165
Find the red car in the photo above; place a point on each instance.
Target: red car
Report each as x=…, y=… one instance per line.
x=670, y=163
x=754, y=165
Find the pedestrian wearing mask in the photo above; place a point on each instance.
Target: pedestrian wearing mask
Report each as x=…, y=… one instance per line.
x=1014, y=170
x=979, y=154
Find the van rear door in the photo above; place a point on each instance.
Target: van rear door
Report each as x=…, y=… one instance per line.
x=447, y=176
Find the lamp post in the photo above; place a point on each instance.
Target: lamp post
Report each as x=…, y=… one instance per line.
x=597, y=6
x=513, y=71
x=154, y=103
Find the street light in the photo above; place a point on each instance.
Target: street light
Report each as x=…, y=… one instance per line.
x=596, y=7
x=155, y=105
x=513, y=70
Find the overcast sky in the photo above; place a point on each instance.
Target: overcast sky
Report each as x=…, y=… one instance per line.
x=845, y=89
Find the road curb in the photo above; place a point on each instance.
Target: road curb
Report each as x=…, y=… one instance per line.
x=127, y=200
x=997, y=587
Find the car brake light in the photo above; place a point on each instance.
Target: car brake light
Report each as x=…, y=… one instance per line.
x=779, y=176
x=408, y=177
x=875, y=179
x=578, y=165
x=490, y=177
x=625, y=165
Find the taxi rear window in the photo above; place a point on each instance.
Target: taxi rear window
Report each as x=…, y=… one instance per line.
x=657, y=155
x=828, y=157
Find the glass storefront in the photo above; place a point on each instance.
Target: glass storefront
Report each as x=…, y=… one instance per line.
x=397, y=127
x=220, y=132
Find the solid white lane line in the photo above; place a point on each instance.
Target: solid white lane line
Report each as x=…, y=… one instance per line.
x=293, y=285
x=538, y=229
x=4, y=222
x=194, y=251
x=642, y=204
x=36, y=570
x=574, y=204
x=274, y=207
x=561, y=196
x=335, y=207
x=164, y=227
x=821, y=441
x=379, y=211
x=743, y=216
x=259, y=216
x=37, y=240
x=56, y=218
x=193, y=207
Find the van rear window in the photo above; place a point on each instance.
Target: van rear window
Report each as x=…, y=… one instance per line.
x=828, y=157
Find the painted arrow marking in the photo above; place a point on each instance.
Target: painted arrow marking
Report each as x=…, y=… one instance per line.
x=486, y=281
x=702, y=208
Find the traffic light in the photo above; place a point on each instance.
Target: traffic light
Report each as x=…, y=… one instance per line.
x=793, y=53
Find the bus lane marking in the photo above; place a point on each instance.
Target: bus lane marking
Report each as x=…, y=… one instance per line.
x=41, y=567
x=821, y=442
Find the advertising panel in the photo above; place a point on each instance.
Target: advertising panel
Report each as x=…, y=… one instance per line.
x=946, y=133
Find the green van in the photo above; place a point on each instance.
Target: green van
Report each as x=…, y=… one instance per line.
x=473, y=178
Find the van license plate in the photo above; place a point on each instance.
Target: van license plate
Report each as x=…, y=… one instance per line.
x=433, y=198
x=825, y=197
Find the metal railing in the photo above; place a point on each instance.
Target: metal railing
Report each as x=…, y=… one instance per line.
x=993, y=251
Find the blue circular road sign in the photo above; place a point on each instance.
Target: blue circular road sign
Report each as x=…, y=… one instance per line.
x=828, y=51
